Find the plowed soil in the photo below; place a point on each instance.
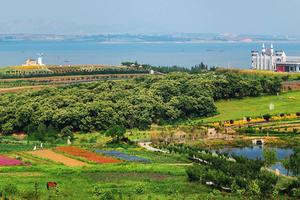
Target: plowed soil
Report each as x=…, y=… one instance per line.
x=48, y=154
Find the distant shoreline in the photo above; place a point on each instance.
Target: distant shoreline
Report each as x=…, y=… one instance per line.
x=155, y=42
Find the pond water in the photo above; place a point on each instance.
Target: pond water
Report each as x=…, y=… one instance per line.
x=256, y=152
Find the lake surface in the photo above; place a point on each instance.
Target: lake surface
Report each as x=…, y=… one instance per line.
x=182, y=54
x=256, y=152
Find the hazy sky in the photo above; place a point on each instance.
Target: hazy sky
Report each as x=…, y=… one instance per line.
x=150, y=16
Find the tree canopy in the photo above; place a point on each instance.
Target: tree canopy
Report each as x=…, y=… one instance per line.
x=134, y=103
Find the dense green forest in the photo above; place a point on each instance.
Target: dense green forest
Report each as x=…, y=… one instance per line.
x=135, y=103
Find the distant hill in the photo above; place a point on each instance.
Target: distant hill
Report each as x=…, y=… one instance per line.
x=176, y=37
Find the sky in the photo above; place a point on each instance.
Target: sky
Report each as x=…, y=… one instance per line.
x=150, y=16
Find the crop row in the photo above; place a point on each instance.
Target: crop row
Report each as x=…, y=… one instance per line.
x=122, y=156
x=91, y=156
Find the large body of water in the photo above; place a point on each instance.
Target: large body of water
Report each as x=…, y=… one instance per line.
x=182, y=54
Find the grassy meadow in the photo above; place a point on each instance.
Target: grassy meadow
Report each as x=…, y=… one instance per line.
x=288, y=102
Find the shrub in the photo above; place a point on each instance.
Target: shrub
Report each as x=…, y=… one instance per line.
x=296, y=193
x=269, y=157
x=290, y=186
x=231, y=121
x=10, y=190
x=267, y=117
x=107, y=195
x=298, y=114
x=267, y=182
x=253, y=188
x=295, y=130
x=194, y=173
x=116, y=132
x=248, y=119
x=282, y=115
x=93, y=140
x=140, y=189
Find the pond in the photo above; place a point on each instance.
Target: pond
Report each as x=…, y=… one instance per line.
x=256, y=152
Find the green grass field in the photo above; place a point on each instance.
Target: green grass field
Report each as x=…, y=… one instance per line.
x=163, y=178
x=256, y=106
x=124, y=181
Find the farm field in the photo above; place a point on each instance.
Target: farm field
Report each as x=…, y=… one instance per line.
x=6, y=161
x=90, y=156
x=288, y=102
x=48, y=154
x=126, y=180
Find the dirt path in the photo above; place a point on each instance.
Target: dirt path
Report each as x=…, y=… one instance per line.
x=48, y=154
x=147, y=146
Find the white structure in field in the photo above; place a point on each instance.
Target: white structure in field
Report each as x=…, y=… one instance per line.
x=40, y=59
x=268, y=59
x=34, y=62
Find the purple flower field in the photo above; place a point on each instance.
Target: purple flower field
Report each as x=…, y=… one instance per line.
x=5, y=161
x=123, y=156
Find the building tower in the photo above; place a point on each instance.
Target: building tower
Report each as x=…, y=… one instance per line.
x=40, y=59
x=263, y=49
x=272, y=59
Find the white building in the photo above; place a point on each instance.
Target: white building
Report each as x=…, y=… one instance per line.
x=34, y=62
x=268, y=59
x=40, y=60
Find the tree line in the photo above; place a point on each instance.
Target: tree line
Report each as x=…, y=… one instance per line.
x=169, y=69
x=33, y=74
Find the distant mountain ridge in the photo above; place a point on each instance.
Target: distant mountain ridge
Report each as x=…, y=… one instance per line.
x=176, y=37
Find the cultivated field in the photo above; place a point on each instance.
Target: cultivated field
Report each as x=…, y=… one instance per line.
x=48, y=154
x=90, y=156
x=126, y=180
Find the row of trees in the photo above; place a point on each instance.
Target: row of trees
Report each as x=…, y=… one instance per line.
x=72, y=71
x=135, y=103
x=200, y=68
